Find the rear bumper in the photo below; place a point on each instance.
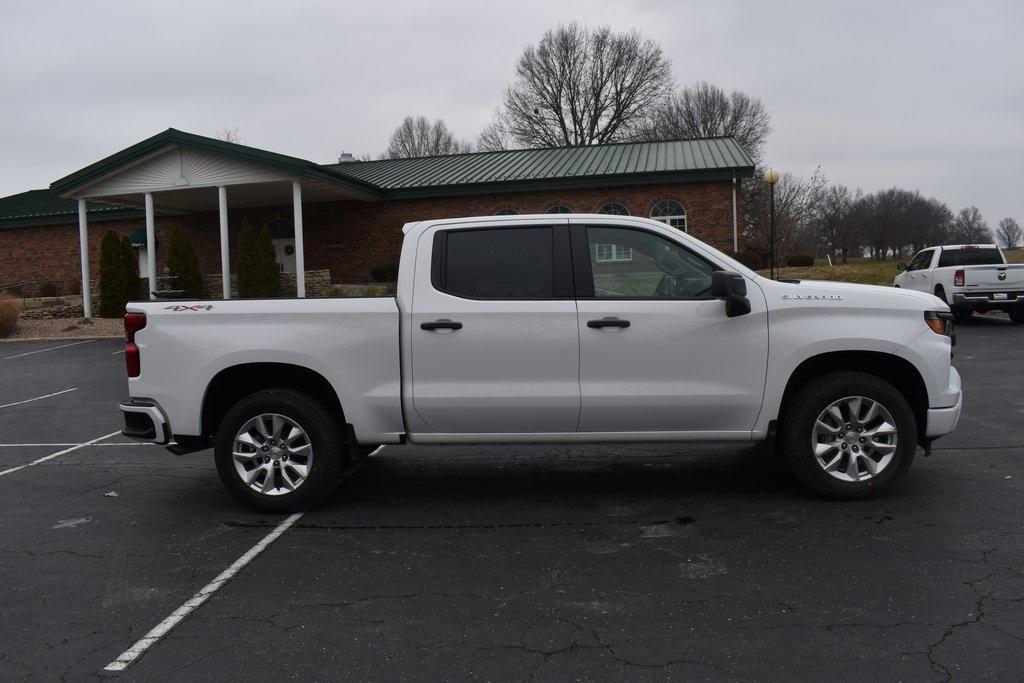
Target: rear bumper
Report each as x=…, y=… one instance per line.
x=944, y=420
x=144, y=420
x=988, y=301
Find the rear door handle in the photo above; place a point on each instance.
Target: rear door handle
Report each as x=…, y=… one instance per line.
x=608, y=322
x=442, y=324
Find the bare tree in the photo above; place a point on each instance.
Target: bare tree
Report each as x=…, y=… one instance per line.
x=229, y=135
x=581, y=86
x=418, y=137
x=970, y=227
x=1009, y=233
x=836, y=227
x=494, y=137
x=705, y=110
x=797, y=202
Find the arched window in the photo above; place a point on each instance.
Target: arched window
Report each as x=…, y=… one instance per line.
x=670, y=212
x=506, y=212
x=614, y=209
x=559, y=208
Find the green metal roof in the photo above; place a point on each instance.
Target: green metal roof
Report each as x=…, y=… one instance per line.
x=40, y=207
x=504, y=171
x=629, y=162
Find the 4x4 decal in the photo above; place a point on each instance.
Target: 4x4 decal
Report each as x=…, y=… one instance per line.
x=194, y=307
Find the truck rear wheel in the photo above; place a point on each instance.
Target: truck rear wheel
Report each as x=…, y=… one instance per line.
x=1017, y=315
x=279, y=451
x=848, y=435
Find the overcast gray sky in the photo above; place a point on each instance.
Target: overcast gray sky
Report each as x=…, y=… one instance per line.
x=922, y=95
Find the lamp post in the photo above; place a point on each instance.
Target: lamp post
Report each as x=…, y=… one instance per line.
x=771, y=176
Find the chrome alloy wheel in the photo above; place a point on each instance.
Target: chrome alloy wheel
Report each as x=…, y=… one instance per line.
x=272, y=454
x=854, y=438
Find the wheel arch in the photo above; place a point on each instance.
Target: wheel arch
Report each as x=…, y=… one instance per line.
x=234, y=383
x=895, y=370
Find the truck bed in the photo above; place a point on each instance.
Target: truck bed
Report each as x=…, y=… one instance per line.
x=352, y=343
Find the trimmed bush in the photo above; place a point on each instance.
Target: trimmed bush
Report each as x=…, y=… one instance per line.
x=244, y=266
x=114, y=291
x=183, y=264
x=130, y=262
x=259, y=275
x=10, y=309
x=800, y=260
x=751, y=259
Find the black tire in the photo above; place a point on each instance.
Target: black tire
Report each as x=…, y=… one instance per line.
x=1017, y=315
x=798, y=420
x=328, y=449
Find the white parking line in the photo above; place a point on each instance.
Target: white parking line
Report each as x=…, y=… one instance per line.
x=56, y=445
x=38, y=398
x=128, y=657
x=51, y=456
x=163, y=628
x=117, y=352
x=51, y=348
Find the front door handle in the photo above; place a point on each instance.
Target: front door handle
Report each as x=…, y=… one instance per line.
x=442, y=324
x=608, y=322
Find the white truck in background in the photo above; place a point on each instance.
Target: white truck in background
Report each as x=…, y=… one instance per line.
x=547, y=328
x=969, y=277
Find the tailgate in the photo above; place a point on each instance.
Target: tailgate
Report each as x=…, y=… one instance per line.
x=994, y=278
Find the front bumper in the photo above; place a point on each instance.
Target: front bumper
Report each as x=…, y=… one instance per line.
x=943, y=420
x=144, y=420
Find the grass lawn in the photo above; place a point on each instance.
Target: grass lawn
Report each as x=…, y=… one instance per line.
x=861, y=270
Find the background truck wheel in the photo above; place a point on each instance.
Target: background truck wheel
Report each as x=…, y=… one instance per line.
x=1017, y=315
x=848, y=435
x=279, y=451
x=961, y=313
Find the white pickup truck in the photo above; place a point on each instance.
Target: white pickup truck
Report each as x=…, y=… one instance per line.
x=552, y=328
x=969, y=277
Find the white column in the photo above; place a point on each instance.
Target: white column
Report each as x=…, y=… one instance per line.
x=150, y=245
x=735, y=228
x=83, y=248
x=300, y=252
x=225, y=262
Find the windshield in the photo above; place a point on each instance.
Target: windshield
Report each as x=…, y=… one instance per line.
x=979, y=256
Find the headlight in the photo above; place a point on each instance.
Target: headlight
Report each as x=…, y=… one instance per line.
x=940, y=322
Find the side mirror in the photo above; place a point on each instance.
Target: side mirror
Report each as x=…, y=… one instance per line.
x=901, y=266
x=731, y=288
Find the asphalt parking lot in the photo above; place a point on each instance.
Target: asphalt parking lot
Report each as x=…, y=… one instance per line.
x=551, y=562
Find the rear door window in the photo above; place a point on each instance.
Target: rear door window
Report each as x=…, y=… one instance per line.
x=980, y=256
x=499, y=263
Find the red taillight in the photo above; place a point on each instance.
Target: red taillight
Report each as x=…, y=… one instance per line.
x=959, y=277
x=133, y=322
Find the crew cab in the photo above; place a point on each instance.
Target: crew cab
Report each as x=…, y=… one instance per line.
x=547, y=328
x=969, y=277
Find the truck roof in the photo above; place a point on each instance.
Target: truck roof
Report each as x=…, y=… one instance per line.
x=510, y=219
x=950, y=247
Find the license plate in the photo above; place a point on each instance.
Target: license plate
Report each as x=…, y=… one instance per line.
x=999, y=295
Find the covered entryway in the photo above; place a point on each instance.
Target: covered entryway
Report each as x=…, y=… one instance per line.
x=176, y=173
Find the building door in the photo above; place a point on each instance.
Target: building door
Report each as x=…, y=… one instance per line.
x=284, y=252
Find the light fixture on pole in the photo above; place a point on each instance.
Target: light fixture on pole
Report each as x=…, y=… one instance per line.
x=771, y=176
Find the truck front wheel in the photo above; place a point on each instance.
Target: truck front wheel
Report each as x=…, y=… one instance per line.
x=848, y=435
x=279, y=451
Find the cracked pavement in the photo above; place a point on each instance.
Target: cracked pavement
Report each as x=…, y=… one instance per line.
x=530, y=562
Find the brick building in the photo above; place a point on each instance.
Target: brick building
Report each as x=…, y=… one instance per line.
x=347, y=218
